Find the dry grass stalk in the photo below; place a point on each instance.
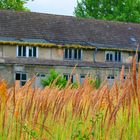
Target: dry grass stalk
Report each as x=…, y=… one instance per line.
x=26, y=109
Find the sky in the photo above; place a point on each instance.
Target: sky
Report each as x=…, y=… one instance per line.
x=59, y=7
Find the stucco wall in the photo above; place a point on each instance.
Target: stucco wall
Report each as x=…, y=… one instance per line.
x=43, y=53
x=7, y=72
x=100, y=56
x=57, y=54
x=88, y=55
x=9, y=51
x=50, y=53
x=127, y=57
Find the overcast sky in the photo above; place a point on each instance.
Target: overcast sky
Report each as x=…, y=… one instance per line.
x=60, y=7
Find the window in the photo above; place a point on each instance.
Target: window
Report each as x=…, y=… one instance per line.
x=22, y=77
x=82, y=78
x=26, y=51
x=111, y=77
x=32, y=51
x=67, y=77
x=138, y=56
x=39, y=77
x=73, y=54
x=21, y=51
x=113, y=56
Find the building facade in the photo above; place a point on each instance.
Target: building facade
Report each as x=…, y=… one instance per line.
x=34, y=43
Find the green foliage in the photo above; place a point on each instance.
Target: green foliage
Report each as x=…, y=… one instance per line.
x=120, y=10
x=14, y=5
x=82, y=133
x=53, y=75
x=30, y=131
x=96, y=83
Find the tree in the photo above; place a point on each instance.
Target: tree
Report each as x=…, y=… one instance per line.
x=14, y=5
x=119, y=10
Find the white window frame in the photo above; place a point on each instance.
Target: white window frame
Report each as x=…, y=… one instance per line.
x=81, y=81
x=21, y=80
x=27, y=52
x=113, y=56
x=109, y=52
x=73, y=51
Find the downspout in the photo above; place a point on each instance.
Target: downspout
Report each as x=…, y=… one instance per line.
x=94, y=54
x=2, y=51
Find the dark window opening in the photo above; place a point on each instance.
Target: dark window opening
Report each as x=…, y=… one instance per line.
x=119, y=57
x=22, y=77
x=116, y=56
x=79, y=54
x=138, y=56
x=30, y=52
x=70, y=53
x=19, y=51
x=34, y=51
x=66, y=76
x=113, y=56
x=24, y=50
x=75, y=54
x=17, y=76
x=66, y=53
x=107, y=56
x=111, y=77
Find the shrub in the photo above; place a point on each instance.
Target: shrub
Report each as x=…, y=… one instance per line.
x=53, y=75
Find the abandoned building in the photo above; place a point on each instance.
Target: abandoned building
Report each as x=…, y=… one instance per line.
x=33, y=43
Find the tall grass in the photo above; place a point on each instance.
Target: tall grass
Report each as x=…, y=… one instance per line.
x=82, y=113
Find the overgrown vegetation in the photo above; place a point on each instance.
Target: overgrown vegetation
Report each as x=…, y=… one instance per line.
x=82, y=113
x=51, y=77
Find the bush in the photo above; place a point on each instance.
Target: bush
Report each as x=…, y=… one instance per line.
x=53, y=75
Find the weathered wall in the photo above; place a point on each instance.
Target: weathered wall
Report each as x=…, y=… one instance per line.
x=88, y=55
x=57, y=54
x=127, y=57
x=100, y=56
x=8, y=71
x=43, y=53
x=9, y=51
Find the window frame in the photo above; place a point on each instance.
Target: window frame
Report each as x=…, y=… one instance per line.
x=27, y=51
x=72, y=57
x=83, y=78
x=113, y=53
x=21, y=74
x=73, y=78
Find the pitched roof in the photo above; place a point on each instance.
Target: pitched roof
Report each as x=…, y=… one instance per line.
x=38, y=27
